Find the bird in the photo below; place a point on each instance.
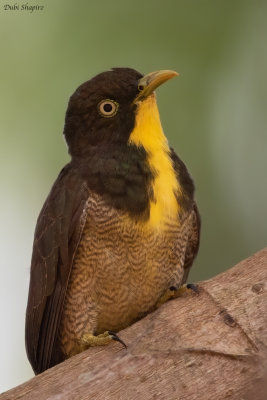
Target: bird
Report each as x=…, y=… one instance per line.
x=120, y=228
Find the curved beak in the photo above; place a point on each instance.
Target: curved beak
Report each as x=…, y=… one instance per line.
x=148, y=83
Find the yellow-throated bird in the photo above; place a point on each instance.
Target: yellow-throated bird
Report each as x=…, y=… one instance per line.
x=120, y=226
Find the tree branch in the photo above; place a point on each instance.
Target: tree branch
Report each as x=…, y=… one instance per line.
x=198, y=347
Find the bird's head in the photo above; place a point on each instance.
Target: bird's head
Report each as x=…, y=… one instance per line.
x=104, y=110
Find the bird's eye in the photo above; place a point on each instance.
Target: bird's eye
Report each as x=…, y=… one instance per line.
x=108, y=108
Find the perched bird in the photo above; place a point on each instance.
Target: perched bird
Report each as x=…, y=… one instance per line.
x=119, y=229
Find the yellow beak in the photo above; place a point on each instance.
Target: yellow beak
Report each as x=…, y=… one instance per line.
x=148, y=83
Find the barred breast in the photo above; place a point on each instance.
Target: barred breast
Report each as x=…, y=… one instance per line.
x=121, y=268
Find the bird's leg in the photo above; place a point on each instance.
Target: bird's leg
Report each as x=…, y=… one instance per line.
x=88, y=339
x=173, y=292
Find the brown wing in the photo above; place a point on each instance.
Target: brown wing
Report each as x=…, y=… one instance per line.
x=193, y=243
x=56, y=238
x=186, y=200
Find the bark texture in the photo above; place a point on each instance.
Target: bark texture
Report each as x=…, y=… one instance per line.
x=211, y=345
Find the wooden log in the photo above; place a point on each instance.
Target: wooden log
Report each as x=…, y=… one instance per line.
x=210, y=345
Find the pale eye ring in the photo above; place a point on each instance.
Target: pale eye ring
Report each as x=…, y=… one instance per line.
x=108, y=108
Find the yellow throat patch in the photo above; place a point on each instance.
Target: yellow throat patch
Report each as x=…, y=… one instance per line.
x=149, y=134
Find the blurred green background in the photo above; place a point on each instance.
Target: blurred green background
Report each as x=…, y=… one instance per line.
x=214, y=115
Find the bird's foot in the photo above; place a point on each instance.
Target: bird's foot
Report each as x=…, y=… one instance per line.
x=193, y=287
x=115, y=337
x=88, y=339
x=188, y=287
x=173, y=292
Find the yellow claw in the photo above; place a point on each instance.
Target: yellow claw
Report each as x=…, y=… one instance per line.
x=173, y=293
x=88, y=339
